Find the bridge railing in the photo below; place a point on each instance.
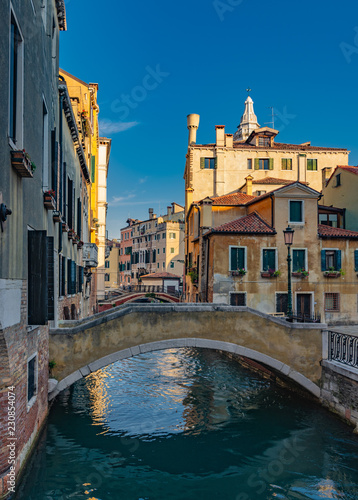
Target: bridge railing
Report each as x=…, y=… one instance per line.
x=152, y=289
x=343, y=348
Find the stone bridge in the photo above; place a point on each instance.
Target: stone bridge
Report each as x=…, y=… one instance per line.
x=293, y=351
x=108, y=304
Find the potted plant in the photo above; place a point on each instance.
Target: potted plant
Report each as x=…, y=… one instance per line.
x=238, y=272
x=56, y=216
x=301, y=273
x=49, y=199
x=70, y=234
x=21, y=162
x=333, y=273
x=80, y=244
x=64, y=227
x=271, y=273
x=194, y=276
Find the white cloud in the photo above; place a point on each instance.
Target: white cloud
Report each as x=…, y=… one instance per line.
x=120, y=200
x=143, y=180
x=110, y=127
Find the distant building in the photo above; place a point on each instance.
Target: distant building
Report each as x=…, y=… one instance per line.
x=340, y=190
x=219, y=168
x=236, y=255
x=111, y=266
x=125, y=254
x=158, y=244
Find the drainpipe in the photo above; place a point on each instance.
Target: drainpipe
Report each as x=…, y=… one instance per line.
x=207, y=268
x=272, y=211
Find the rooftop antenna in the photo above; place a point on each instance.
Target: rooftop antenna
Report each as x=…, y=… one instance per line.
x=272, y=122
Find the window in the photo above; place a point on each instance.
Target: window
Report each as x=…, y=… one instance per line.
x=16, y=85
x=163, y=236
x=172, y=250
x=259, y=193
x=45, y=147
x=328, y=219
x=356, y=260
x=331, y=260
x=158, y=265
x=172, y=265
x=106, y=277
x=298, y=260
x=281, y=302
x=237, y=258
x=31, y=377
x=263, y=163
x=311, y=164
x=296, y=211
x=238, y=299
x=331, y=302
x=208, y=163
x=286, y=164
x=163, y=265
x=172, y=236
x=338, y=180
x=268, y=259
x=106, y=264
x=264, y=141
x=158, y=251
x=164, y=250
x=249, y=164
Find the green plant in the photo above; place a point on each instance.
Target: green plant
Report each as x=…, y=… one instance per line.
x=51, y=365
x=194, y=276
x=303, y=272
x=151, y=294
x=276, y=273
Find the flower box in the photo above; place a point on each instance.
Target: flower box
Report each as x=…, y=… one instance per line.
x=71, y=234
x=49, y=202
x=299, y=275
x=270, y=274
x=240, y=272
x=21, y=162
x=332, y=274
x=79, y=244
x=64, y=227
x=56, y=216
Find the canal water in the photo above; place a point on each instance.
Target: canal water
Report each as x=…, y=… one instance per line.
x=189, y=424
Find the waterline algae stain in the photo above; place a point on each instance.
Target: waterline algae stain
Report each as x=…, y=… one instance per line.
x=189, y=424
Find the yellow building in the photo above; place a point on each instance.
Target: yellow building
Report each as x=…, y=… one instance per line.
x=221, y=167
x=111, y=265
x=340, y=190
x=97, y=150
x=237, y=255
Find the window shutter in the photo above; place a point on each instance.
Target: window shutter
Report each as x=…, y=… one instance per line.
x=257, y=163
x=356, y=260
x=81, y=278
x=270, y=163
x=93, y=169
x=69, y=288
x=339, y=259
x=202, y=162
x=37, y=278
x=79, y=218
x=73, y=277
x=216, y=162
x=323, y=260
x=51, y=278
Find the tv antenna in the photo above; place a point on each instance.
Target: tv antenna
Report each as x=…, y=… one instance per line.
x=272, y=122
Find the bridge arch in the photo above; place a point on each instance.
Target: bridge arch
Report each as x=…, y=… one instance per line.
x=294, y=350
x=277, y=366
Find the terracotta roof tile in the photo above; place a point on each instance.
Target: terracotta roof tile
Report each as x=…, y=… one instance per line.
x=160, y=275
x=274, y=180
x=335, y=232
x=232, y=199
x=276, y=145
x=354, y=170
x=252, y=223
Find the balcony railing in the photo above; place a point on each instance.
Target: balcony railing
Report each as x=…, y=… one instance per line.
x=343, y=348
x=90, y=255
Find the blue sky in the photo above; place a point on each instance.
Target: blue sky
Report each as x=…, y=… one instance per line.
x=156, y=62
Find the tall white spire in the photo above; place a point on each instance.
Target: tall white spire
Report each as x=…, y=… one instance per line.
x=248, y=122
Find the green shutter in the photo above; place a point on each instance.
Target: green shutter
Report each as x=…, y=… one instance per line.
x=233, y=260
x=93, y=168
x=356, y=260
x=323, y=260
x=37, y=300
x=216, y=162
x=338, y=260
x=298, y=260
x=202, y=162
x=257, y=163
x=268, y=259
x=237, y=259
x=270, y=163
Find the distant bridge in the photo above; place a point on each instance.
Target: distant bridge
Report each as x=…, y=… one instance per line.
x=137, y=296
x=292, y=350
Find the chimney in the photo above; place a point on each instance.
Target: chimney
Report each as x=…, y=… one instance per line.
x=220, y=135
x=189, y=198
x=249, y=180
x=192, y=124
x=169, y=210
x=326, y=174
x=150, y=213
x=229, y=140
x=206, y=220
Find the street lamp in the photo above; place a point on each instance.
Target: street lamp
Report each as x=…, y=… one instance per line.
x=288, y=235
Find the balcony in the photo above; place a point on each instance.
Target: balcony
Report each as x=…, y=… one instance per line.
x=90, y=255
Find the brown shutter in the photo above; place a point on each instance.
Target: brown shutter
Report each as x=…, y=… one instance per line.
x=37, y=280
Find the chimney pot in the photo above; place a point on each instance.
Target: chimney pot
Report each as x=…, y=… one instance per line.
x=193, y=124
